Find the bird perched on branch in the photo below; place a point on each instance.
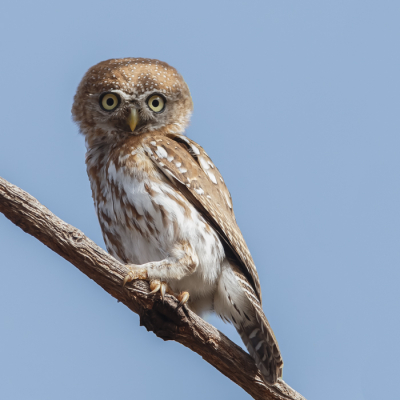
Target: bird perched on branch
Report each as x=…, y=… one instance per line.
x=163, y=206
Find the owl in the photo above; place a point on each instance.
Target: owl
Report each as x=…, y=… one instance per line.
x=162, y=204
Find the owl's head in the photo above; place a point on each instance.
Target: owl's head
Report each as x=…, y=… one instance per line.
x=130, y=96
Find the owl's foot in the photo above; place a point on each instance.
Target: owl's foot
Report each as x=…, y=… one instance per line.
x=157, y=285
x=183, y=298
x=135, y=273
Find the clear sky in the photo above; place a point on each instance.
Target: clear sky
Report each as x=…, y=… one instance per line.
x=297, y=103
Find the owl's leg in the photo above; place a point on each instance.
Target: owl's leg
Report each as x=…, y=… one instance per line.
x=136, y=272
x=182, y=261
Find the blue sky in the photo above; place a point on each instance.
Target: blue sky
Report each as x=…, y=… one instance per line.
x=297, y=103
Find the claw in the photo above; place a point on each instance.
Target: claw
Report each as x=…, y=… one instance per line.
x=183, y=298
x=128, y=278
x=163, y=289
x=155, y=286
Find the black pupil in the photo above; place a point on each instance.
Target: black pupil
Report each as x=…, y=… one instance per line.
x=155, y=103
x=110, y=102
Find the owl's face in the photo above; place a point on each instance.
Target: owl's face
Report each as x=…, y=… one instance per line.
x=131, y=96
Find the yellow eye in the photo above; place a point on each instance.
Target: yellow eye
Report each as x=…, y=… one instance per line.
x=156, y=103
x=109, y=101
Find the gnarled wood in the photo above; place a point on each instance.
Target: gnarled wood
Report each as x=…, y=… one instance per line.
x=166, y=320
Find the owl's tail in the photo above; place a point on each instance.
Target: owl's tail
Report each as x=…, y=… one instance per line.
x=260, y=341
x=237, y=302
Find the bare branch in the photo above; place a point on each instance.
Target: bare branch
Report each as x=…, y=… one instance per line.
x=166, y=320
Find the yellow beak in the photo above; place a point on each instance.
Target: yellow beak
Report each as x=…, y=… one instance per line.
x=133, y=118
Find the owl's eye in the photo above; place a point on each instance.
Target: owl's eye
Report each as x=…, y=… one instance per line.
x=109, y=101
x=156, y=103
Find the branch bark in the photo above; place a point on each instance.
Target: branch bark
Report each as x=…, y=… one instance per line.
x=166, y=320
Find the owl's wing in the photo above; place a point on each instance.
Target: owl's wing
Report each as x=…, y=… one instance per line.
x=186, y=164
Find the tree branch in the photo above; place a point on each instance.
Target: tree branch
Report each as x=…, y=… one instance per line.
x=166, y=320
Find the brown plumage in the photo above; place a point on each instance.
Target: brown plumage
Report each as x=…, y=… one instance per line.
x=161, y=201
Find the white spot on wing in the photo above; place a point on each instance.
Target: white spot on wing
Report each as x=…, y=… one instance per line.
x=228, y=201
x=148, y=150
x=212, y=177
x=199, y=191
x=161, y=152
x=203, y=164
x=184, y=139
x=171, y=174
x=195, y=149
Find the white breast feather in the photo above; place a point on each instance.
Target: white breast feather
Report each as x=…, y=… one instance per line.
x=155, y=247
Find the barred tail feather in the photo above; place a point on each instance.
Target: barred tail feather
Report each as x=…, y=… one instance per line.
x=237, y=302
x=261, y=343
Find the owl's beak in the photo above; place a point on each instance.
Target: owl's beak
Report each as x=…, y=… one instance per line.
x=133, y=118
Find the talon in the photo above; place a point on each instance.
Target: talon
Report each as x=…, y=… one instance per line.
x=163, y=289
x=183, y=298
x=155, y=286
x=128, y=278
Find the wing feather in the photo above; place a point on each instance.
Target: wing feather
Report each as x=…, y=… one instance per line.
x=186, y=164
